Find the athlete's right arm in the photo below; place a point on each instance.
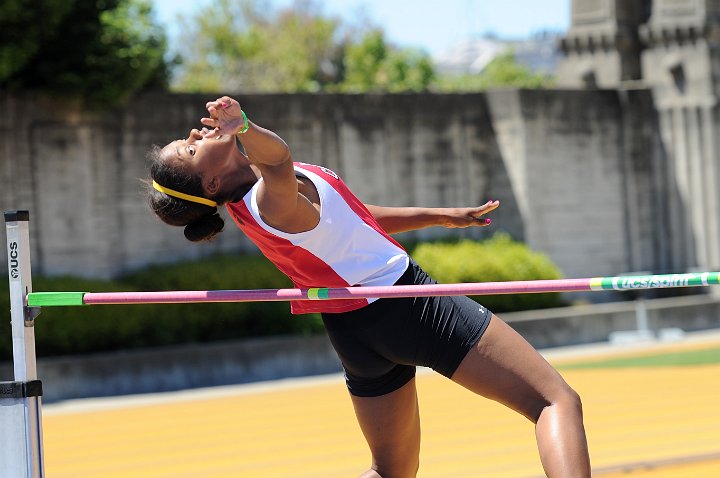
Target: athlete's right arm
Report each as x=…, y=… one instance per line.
x=263, y=147
x=278, y=199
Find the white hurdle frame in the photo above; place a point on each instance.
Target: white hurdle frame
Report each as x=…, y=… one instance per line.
x=21, y=445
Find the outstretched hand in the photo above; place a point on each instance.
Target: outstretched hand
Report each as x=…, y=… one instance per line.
x=470, y=216
x=225, y=117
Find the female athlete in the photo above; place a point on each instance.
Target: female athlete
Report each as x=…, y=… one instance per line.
x=307, y=222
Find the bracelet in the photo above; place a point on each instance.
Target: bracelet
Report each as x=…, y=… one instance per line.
x=246, y=123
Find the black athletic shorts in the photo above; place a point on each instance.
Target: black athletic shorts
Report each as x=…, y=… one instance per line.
x=379, y=345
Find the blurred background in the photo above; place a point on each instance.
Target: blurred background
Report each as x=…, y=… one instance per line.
x=594, y=122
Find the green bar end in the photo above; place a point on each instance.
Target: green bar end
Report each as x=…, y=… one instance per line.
x=49, y=299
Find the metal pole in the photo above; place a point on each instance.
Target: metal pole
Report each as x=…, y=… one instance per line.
x=22, y=457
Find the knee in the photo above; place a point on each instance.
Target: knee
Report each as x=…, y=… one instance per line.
x=571, y=400
x=564, y=400
x=567, y=401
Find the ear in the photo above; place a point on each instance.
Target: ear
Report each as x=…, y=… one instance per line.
x=211, y=185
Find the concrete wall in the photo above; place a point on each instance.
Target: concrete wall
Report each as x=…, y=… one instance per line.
x=181, y=367
x=569, y=163
x=573, y=170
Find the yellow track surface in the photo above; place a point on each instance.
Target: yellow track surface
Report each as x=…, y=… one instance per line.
x=641, y=423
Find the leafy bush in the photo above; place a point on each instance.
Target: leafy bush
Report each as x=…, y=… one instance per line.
x=497, y=259
x=77, y=330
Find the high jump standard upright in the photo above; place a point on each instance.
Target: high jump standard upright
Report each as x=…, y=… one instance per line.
x=21, y=448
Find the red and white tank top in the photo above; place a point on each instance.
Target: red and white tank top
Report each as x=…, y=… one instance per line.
x=347, y=247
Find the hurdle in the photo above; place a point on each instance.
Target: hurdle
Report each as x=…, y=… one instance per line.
x=20, y=400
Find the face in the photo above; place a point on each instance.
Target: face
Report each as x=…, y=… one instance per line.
x=198, y=153
x=208, y=157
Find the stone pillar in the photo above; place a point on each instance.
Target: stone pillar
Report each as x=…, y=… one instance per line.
x=602, y=48
x=563, y=152
x=682, y=40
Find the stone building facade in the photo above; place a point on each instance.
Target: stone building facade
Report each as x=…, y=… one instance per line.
x=671, y=48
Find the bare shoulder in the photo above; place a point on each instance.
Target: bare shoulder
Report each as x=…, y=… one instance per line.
x=285, y=203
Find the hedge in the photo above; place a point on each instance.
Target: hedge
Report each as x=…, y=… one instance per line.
x=80, y=330
x=497, y=259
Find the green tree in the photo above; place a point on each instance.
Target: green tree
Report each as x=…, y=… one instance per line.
x=372, y=65
x=247, y=46
x=502, y=71
x=102, y=50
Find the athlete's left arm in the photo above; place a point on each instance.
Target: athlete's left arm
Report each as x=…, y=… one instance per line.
x=402, y=219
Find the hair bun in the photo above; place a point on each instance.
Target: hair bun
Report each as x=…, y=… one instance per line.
x=204, y=228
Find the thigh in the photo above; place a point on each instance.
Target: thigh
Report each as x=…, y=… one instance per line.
x=357, y=338
x=504, y=367
x=391, y=425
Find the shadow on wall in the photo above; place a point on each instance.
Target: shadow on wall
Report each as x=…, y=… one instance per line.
x=422, y=150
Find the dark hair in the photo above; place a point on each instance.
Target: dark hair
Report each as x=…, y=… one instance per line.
x=202, y=222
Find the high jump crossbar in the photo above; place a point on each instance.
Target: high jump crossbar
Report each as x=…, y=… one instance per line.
x=618, y=283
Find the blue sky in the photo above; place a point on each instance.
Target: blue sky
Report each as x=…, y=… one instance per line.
x=434, y=25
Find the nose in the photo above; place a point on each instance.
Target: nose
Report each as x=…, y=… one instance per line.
x=194, y=136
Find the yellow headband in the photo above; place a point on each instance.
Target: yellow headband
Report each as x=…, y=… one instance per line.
x=187, y=197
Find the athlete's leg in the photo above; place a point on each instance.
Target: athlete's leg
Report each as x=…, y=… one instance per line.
x=391, y=425
x=502, y=366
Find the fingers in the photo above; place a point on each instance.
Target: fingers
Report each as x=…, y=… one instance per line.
x=212, y=129
x=468, y=221
x=215, y=108
x=491, y=205
x=472, y=221
x=223, y=112
x=208, y=132
x=485, y=208
x=211, y=122
x=220, y=104
x=477, y=213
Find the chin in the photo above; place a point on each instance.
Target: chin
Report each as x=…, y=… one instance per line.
x=223, y=144
x=239, y=151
